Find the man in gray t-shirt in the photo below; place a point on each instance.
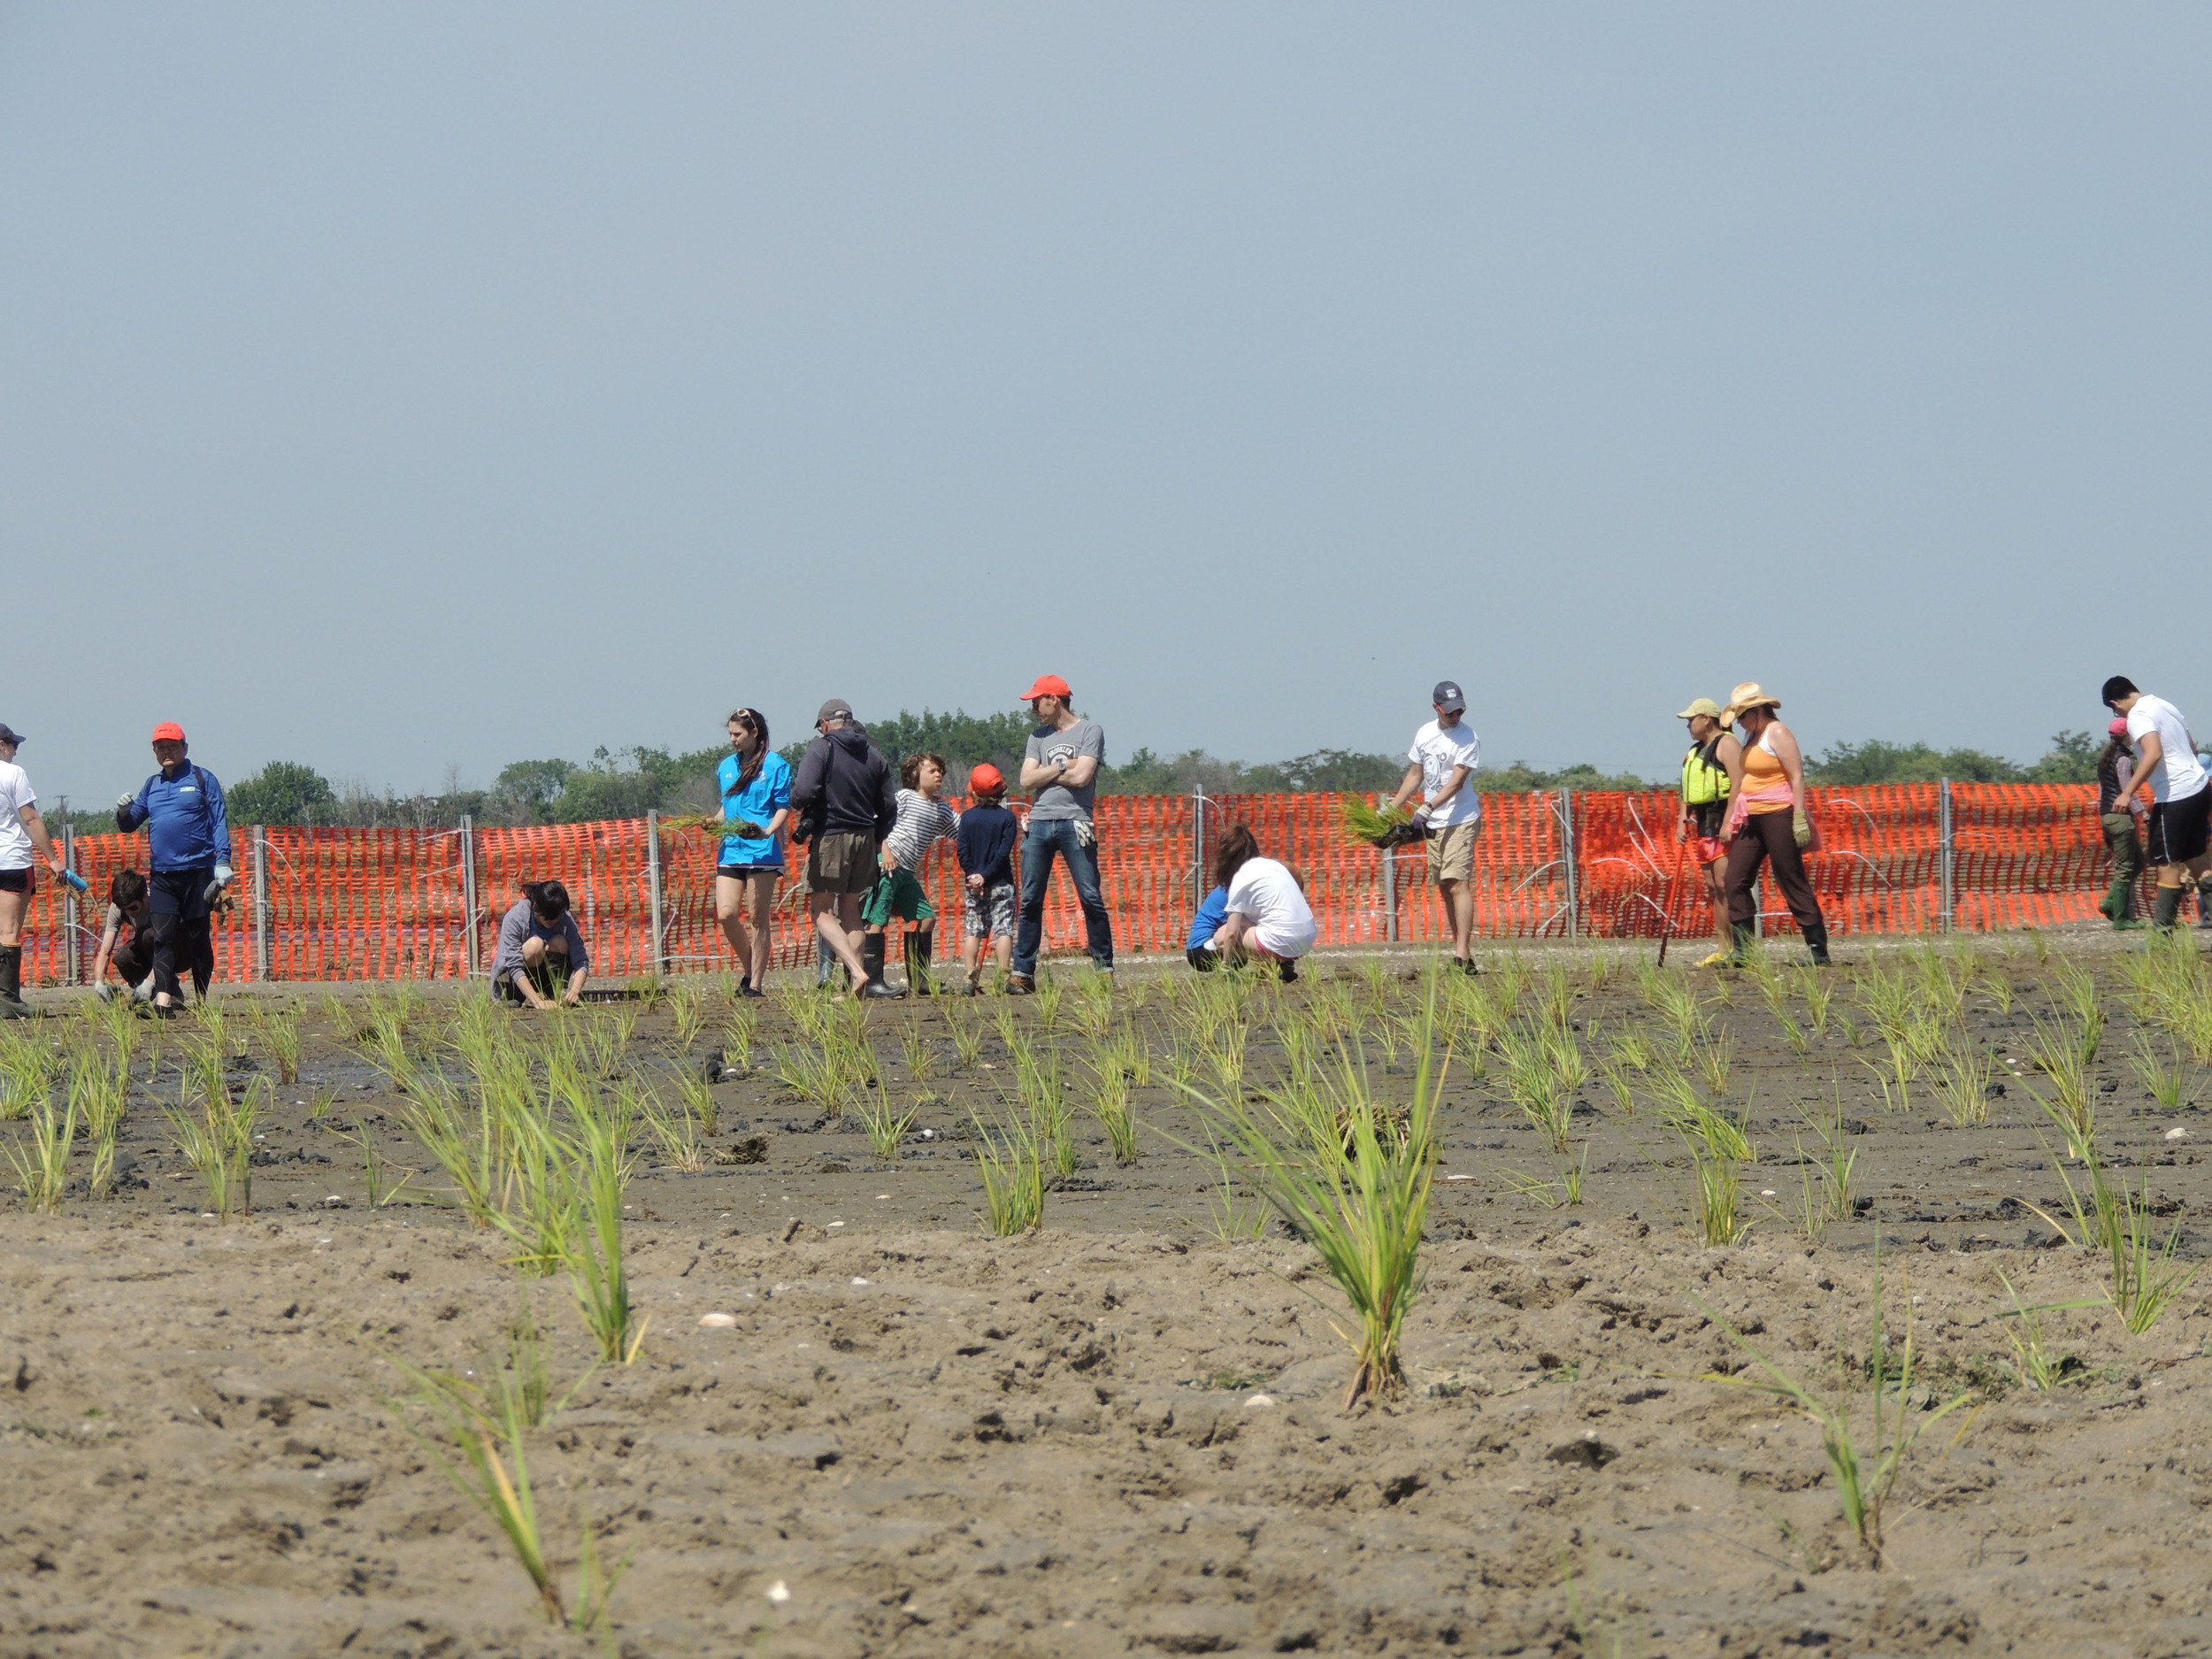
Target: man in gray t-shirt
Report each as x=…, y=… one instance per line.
x=1061, y=766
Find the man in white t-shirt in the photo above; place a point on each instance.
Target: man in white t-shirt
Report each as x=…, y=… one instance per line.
x=22, y=832
x=2180, y=826
x=1445, y=757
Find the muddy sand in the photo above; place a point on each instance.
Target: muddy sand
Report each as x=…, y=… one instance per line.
x=1126, y=1432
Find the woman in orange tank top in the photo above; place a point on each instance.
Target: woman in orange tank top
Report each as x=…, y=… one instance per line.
x=1767, y=823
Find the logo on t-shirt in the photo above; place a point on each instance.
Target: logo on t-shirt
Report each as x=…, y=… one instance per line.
x=1059, y=752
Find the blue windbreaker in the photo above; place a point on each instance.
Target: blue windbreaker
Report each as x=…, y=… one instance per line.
x=190, y=829
x=1211, y=916
x=768, y=794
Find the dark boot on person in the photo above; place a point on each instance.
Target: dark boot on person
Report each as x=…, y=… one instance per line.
x=11, y=1003
x=1020, y=985
x=1816, y=944
x=920, y=949
x=871, y=964
x=1746, y=941
x=2166, y=909
x=2114, y=906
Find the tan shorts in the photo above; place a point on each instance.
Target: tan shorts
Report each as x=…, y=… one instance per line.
x=1452, y=851
x=841, y=863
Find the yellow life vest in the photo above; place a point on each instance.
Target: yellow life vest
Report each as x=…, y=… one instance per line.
x=1703, y=782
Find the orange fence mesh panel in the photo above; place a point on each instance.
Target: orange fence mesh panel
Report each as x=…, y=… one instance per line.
x=346, y=904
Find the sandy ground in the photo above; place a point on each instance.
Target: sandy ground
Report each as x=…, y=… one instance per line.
x=1123, y=1433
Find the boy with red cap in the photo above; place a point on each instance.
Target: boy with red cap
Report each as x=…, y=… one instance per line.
x=189, y=833
x=1061, y=765
x=985, y=844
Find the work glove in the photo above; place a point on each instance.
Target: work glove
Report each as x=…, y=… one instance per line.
x=1801, y=828
x=123, y=811
x=1085, y=834
x=1421, y=820
x=224, y=875
x=103, y=990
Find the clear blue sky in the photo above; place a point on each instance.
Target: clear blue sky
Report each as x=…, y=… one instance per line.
x=395, y=388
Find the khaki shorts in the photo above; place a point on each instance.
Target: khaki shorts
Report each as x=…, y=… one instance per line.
x=841, y=863
x=1452, y=851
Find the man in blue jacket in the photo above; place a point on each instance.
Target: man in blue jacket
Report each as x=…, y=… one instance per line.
x=182, y=805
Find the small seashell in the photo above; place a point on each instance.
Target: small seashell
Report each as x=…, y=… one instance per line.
x=1259, y=1399
x=779, y=1592
x=717, y=1321
x=1767, y=1192
x=2177, y=1133
x=837, y=1223
x=860, y=1281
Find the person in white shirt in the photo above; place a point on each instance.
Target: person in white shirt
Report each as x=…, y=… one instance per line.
x=22, y=832
x=2180, y=826
x=1268, y=916
x=1445, y=757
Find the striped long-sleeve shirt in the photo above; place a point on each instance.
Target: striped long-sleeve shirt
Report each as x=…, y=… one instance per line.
x=922, y=823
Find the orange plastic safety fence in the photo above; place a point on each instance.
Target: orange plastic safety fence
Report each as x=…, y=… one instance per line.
x=391, y=903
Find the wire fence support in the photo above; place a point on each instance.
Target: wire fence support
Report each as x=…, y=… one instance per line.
x=471, y=923
x=259, y=837
x=653, y=889
x=1946, y=829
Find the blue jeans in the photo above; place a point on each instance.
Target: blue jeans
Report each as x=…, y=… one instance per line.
x=1045, y=839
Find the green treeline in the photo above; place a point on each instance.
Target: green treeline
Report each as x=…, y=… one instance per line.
x=628, y=783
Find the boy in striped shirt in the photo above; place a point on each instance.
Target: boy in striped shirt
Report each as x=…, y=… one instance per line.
x=922, y=821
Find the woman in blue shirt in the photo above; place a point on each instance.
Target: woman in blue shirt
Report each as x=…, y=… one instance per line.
x=756, y=784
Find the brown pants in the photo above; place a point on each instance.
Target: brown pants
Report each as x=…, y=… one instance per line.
x=1768, y=835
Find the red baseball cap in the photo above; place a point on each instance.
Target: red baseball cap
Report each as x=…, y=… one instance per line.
x=168, y=732
x=1047, y=685
x=986, y=779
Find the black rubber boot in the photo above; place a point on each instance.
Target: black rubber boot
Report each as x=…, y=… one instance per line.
x=920, y=949
x=1746, y=941
x=11, y=1003
x=1816, y=942
x=2168, y=907
x=871, y=964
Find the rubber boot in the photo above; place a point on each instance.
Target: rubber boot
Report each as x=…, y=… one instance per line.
x=1746, y=941
x=825, y=961
x=2168, y=907
x=2114, y=905
x=11, y=1003
x=871, y=964
x=920, y=949
x=1816, y=943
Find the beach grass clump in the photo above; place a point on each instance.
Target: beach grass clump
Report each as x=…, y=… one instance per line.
x=40, y=1158
x=2119, y=1223
x=1360, y=1205
x=886, y=1126
x=1009, y=1158
x=1963, y=1084
x=280, y=1035
x=1109, y=1102
x=598, y=1278
x=2073, y=1104
x=687, y=1009
x=217, y=1140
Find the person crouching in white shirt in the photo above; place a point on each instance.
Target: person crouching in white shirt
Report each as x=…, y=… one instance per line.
x=1269, y=918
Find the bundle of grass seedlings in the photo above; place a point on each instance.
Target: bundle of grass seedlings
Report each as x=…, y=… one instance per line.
x=713, y=826
x=1375, y=826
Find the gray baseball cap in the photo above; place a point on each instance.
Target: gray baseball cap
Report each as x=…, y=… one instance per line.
x=1448, y=697
x=835, y=709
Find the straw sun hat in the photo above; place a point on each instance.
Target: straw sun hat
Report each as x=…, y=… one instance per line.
x=1747, y=696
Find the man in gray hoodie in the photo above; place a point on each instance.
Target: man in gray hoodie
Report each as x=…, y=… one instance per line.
x=845, y=801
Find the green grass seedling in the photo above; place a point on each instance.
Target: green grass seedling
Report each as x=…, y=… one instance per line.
x=1009, y=1161
x=688, y=1008
x=2118, y=1223
x=1865, y=1473
x=41, y=1160
x=1964, y=1086
x=597, y=1276
x=2160, y=1072
x=2071, y=1104
x=885, y=1124
x=1109, y=1104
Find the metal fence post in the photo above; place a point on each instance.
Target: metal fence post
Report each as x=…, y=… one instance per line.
x=1197, y=845
x=1568, y=858
x=653, y=885
x=468, y=893
x=71, y=920
x=1947, y=862
x=260, y=835
x=1390, y=888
